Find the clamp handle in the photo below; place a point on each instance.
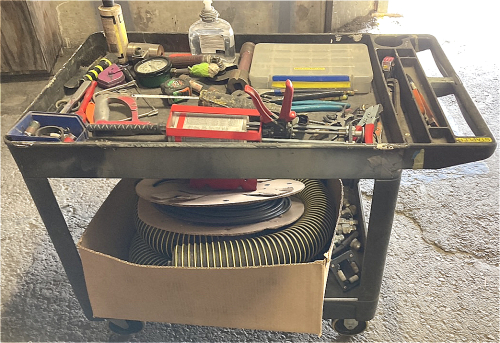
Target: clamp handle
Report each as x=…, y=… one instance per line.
x=101, y=115
x=286, y=113
x=266, y=116
x=369, y=129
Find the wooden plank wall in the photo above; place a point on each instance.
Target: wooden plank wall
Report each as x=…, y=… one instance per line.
x=30, y=37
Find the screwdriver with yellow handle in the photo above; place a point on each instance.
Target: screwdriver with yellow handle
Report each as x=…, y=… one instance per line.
x=423, y=106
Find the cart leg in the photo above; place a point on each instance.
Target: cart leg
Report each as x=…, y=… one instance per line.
x=384, y=199
x=56, y=226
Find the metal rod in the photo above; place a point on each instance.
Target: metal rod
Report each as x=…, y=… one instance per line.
x=302, y=141
x=328, y=132
x=154, y=96
x=147, y=114
x=115, y=88
x=321, y=127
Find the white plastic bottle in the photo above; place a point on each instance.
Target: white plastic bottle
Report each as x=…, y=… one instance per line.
x=211, y=35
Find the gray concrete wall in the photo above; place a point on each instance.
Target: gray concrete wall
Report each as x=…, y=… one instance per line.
x=346, y=11
x=78, y=19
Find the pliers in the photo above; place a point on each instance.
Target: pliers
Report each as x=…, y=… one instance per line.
x=287, y=114
x=368, y=121
x=309, y=103
x=281, y=126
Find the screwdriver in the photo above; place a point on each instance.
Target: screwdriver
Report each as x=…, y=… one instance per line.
x=423, y=106
x=278, y=92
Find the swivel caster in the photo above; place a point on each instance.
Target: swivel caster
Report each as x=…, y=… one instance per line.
x=348, y=327
x=125, y=327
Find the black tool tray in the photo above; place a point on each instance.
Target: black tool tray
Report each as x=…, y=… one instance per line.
x=408, y=141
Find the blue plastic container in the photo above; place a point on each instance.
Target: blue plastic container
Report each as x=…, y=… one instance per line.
x=72, y=122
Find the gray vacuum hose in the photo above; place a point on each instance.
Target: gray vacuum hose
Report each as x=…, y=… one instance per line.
x=297, y=243
x=141, y=253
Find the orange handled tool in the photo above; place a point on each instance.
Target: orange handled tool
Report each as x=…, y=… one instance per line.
x=423, y=106
x=86, y=99
x=89, y=112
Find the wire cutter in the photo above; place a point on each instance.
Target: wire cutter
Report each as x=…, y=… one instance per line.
x=368, y=122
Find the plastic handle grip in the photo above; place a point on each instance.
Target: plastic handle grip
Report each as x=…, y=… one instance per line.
x=86, y=99
x=184, y=60
x=101, y=110
x=151, y=129
x=467, y=107
x=419, y=101
x=369, y=129
x=286, y=113
x=266, y=116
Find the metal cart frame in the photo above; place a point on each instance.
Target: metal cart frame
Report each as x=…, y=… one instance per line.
x=39, y=161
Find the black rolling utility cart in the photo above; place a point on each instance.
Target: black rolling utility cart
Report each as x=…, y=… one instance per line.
x=389, y=119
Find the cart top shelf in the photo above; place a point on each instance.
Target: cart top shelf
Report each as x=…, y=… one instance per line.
x=408, y=141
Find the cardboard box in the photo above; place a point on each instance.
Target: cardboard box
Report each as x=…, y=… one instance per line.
x=277, y=298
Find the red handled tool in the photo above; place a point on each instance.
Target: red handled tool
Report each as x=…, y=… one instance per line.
x=101, y=111
x=368, y=122
x=273, y=126
x=266, y=116
x=86, y=99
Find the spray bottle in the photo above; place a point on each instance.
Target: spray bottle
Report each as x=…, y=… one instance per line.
x=114, y=29
x=212, y=35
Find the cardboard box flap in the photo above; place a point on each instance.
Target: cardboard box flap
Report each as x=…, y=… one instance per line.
x=113, y=236
x=279, y=298
x=283, y=298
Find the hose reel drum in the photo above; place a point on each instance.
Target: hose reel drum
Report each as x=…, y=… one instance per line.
x=283, y=221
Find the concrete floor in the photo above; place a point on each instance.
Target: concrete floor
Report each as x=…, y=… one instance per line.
x=441, y=281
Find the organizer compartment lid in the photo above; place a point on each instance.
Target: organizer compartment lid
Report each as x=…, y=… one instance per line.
x=320, y=60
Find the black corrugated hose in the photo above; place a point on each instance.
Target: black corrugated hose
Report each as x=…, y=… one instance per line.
x=297, y=243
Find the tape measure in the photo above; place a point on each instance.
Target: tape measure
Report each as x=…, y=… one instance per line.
x=176, y=86
x=152, y=72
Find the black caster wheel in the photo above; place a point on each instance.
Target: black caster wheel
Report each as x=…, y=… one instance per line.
x=349, y=327
x=125, y=327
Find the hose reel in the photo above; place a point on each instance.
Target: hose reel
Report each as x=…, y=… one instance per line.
x=300, y=242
